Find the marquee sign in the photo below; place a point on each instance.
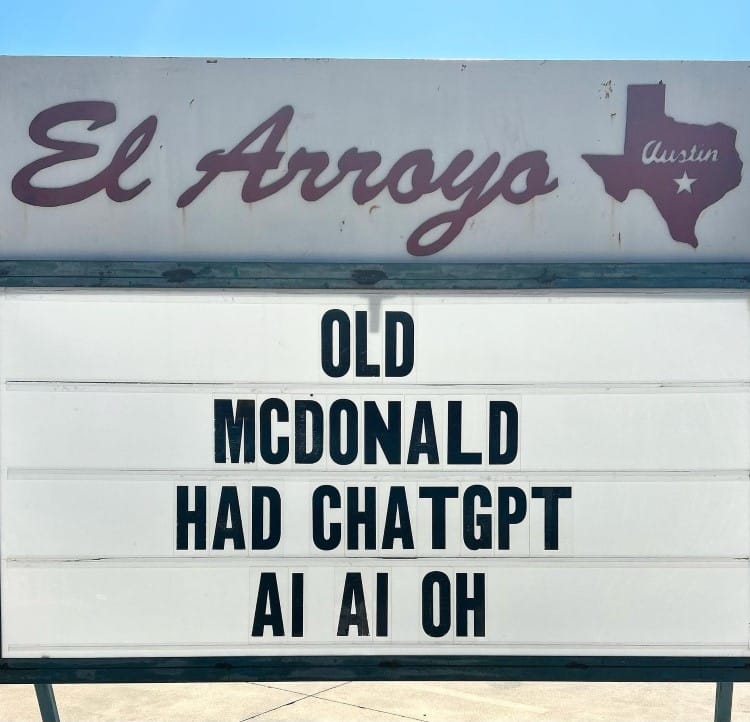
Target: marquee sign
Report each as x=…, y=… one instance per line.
x=325, y=455
x=352, y=474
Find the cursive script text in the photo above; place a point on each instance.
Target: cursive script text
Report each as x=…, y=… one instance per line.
x=653, y=152
x=412, y=176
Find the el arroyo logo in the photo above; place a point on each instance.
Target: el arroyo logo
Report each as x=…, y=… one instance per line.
x=684, y=168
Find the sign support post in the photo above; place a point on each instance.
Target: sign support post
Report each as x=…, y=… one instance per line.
x=723, y=707
x=45, y=696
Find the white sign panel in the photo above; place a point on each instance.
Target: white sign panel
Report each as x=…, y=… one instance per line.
x=329, y=474
x=311, y=160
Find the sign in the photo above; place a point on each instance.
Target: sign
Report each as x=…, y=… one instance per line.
x=256, y=473
x=365, y=409
x=372, y=161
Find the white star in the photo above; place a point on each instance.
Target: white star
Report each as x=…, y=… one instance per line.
x=684, y=183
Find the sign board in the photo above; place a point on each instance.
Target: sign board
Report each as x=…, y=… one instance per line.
x=386, y=161
x=329, y=455
x=277, y=474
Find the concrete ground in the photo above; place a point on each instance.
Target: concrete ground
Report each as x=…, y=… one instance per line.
x=372, y=701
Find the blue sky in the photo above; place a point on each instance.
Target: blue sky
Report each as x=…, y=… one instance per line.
x=549, y=29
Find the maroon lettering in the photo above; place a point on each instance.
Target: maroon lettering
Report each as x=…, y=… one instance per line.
x=315, y=162
x=422, y=169
x=411, y=177
x=100, y=113
x=477, y=198
x=254, y=164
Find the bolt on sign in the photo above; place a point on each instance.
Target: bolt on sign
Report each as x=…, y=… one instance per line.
x=313, y=360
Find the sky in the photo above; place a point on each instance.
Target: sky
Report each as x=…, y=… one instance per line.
x=519, y=29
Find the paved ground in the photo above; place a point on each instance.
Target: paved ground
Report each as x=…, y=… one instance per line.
x=371, y=702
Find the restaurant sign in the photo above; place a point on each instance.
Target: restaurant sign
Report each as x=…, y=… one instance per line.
x=365, y=161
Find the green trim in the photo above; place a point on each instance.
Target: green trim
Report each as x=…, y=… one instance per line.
x=376, y=668
x=376, y=276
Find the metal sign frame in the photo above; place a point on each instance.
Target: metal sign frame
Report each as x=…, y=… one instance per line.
x=690, y=277
x=374, y=276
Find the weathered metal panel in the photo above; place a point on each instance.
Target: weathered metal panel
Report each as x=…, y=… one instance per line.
x=373, y=161
x=388, y=276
